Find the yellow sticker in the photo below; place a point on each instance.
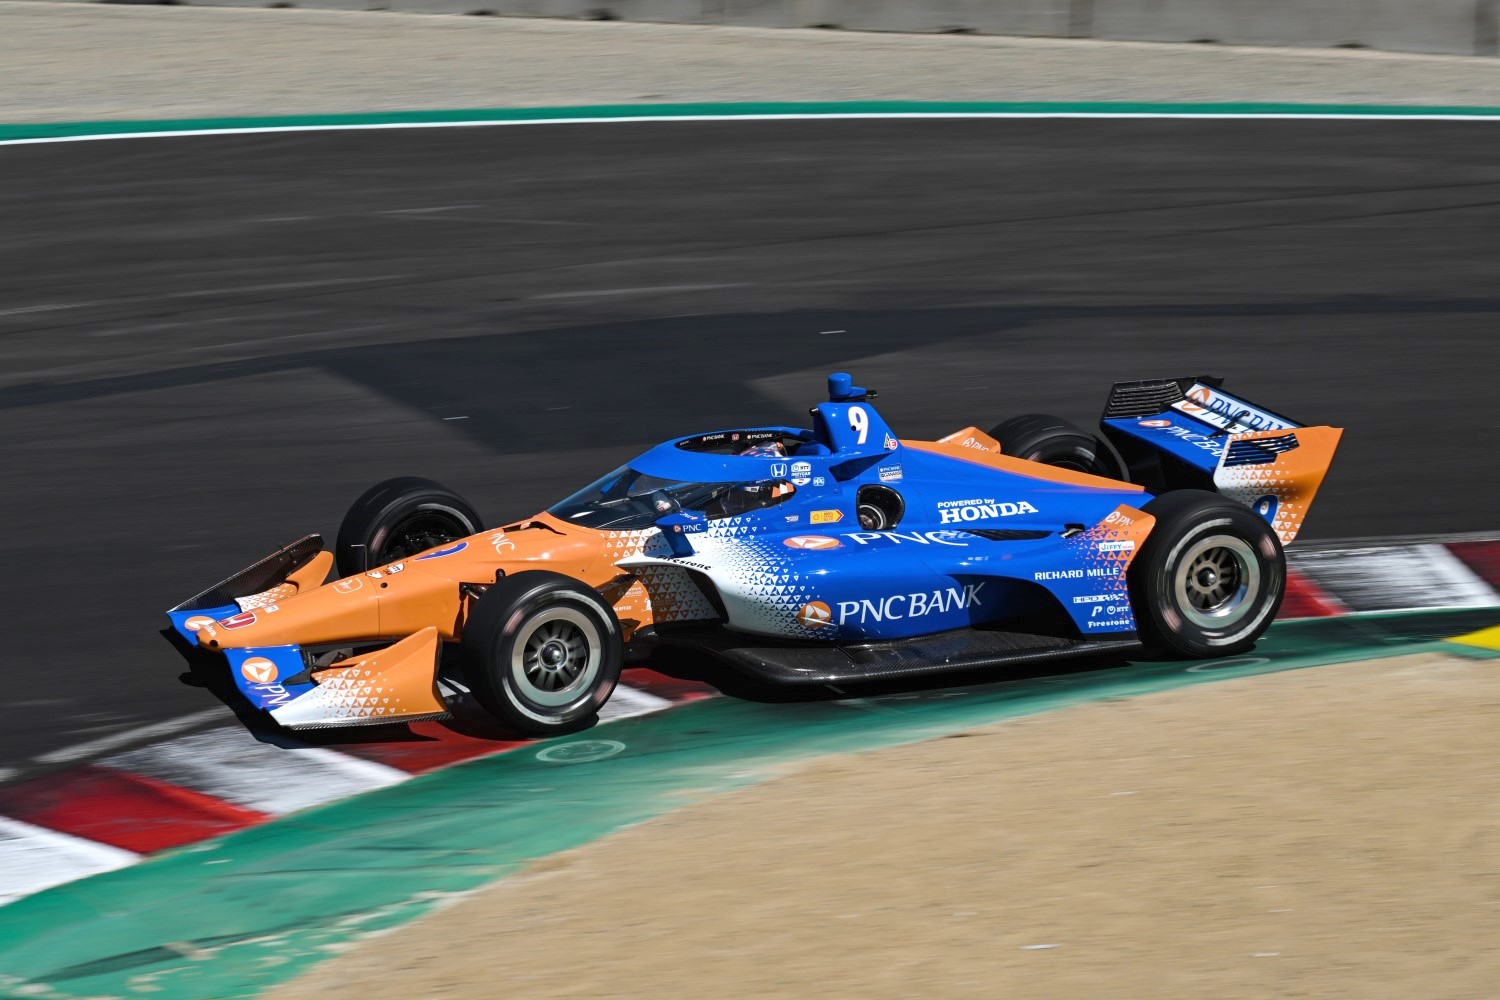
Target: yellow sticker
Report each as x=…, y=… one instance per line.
x=825, y=516
x=1488, y=638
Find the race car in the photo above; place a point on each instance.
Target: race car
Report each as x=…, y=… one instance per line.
x=828, y=555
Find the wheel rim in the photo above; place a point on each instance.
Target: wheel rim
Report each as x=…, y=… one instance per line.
x=556, y=657
x=419, y=531
x=1217, y=581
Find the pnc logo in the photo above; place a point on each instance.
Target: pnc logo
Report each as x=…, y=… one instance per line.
x=196, y=622
x=811, y=542
x=1156, y=423
x=258, y=670
x=918, y=605
x=814, y=614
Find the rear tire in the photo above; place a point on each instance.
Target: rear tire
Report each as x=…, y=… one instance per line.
x=1210, y=577
x=1041, y=437
x=399, y=518
x=543, y=653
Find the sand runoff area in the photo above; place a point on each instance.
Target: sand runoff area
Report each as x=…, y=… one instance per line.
x=1330, y=832
x=87, y=61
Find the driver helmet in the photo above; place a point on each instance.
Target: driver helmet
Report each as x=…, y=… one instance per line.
x=745, y=497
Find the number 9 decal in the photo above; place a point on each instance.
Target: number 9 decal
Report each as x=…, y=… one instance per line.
x=859, y=422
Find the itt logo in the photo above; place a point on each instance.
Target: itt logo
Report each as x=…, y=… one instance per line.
x=814, y=614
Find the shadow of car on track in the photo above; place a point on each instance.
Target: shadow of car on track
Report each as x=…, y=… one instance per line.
x=736, y=684
x=209, y=672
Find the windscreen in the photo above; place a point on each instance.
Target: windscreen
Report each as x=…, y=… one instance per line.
x=626, y=500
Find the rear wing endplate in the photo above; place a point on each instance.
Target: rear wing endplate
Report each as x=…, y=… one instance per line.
x=1188, y=433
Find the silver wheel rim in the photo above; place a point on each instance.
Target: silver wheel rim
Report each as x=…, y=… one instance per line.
x=1217, y=582
x=556, y=657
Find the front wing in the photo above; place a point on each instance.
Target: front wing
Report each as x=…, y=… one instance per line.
x=396, y=683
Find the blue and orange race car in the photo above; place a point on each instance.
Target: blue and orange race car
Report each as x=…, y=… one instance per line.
x=827, y=555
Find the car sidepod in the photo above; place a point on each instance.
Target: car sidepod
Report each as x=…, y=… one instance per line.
x=862, y=586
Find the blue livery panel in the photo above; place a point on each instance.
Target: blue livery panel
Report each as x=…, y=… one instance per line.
x=1194, y=442
x=975, y=543
x=896, y=584
x=1197, y=427
x=187, y=623
x=260, y=674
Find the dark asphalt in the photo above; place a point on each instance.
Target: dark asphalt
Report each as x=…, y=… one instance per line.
x=210, y=345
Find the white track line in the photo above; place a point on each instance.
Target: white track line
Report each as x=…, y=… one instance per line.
x=1361, y=542
x=1397, y=577
x=628, y=119
x=92, y=748
x=33, y=858
x=627, y=701
x=232, y=765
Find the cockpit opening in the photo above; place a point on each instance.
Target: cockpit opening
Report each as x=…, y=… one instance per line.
x=627, y=500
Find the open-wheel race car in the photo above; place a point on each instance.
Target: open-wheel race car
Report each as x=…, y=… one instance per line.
x=831, y=555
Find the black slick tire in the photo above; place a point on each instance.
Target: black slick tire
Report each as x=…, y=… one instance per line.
x=399, y=518
x=1210, y=577
x=542, y=653
x=1040, y=437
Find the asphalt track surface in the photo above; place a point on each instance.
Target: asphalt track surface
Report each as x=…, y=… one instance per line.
x=209, y=345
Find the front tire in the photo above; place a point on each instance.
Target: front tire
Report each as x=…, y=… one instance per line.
x=1210, y=577
x=399, y=518
x=543, y=653
x=1041, y=437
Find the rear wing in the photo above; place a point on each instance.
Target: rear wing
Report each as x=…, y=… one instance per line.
x=1189, y=433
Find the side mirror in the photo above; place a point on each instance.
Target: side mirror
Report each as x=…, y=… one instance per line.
x=676, y=526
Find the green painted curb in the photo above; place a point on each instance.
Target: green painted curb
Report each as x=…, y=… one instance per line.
x=64, y=130
x=235, y=916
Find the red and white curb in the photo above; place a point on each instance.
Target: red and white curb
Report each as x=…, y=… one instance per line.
x=1404, y=577
x=106, y=809
x=33, y=858
x=114, y=808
